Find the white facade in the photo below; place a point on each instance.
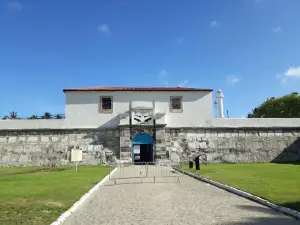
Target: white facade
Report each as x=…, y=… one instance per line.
x=83, y=108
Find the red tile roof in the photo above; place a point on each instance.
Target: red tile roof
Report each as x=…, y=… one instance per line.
x=136, y=89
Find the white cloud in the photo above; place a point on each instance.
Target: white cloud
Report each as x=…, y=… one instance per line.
x=233, y=79
x=162, y=76
x=276, y=29
x=15, y=6
x=163, y=73
x=293, y=72
x=282, y=78
x=179, y=40
x=183, y=83
x=104, y=28
x=214, y=24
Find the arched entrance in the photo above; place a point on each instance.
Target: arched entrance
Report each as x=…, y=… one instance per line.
x=142, y=148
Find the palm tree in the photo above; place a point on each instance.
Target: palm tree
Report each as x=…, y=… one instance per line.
x=33, y=117
x=47, y=115
x=13, y=115
x=5, y=117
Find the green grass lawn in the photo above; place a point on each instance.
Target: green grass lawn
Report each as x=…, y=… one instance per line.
x=278, y=183
x=38, y=195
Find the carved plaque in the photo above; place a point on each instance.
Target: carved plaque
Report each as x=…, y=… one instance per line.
x=142, y=116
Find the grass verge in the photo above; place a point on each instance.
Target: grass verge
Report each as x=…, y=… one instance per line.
x=38, y=195
x=278, y=183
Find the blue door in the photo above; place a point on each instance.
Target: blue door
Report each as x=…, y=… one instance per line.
x=142, y=149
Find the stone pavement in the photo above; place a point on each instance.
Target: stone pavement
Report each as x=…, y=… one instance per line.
x=167, y=202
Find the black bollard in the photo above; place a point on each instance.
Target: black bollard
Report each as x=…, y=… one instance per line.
x=197, y=163
x=191, y=164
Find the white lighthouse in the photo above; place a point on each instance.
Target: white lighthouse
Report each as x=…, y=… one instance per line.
x=220, y=97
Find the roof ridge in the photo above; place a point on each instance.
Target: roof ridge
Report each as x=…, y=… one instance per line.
x=123, y=88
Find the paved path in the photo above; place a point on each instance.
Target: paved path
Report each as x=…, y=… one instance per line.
x=167, y=202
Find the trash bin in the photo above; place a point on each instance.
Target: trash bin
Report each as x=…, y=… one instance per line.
x=197, y=163
x=191, y=164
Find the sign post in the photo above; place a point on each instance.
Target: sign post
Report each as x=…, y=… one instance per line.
x=76, y=156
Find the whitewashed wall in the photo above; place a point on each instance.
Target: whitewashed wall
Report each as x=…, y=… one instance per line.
x=32, y=124
x=253, y=122
x=213, y=123
x=82, y=108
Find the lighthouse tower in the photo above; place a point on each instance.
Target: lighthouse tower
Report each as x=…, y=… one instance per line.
x=220, y=97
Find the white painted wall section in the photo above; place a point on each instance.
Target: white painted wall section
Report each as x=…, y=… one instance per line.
x=212, y=123
x=32, y=124
x=254, y=122
x=82, y=108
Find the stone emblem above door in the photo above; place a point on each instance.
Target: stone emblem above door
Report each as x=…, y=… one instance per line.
x=142, y=116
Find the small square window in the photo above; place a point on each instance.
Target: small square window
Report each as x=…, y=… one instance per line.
x=176, y=104
x=106, y=104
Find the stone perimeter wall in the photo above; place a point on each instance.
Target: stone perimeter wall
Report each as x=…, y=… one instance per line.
x=243, y=145
x=215, y=145
x=53, y=147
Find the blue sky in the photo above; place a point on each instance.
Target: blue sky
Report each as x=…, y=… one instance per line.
x=248, y=48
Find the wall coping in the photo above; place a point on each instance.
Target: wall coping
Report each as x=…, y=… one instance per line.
x=158, y=127
x=215, y=123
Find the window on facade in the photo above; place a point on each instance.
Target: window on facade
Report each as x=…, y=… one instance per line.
x=176, y=104
x=106, y=104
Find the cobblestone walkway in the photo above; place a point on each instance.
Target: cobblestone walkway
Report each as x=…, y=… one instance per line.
x=168, y=202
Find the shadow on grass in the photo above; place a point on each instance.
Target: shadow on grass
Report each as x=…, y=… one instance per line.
x=268, y=217
x=292, y=205
x=38, y=170
x=288, y=162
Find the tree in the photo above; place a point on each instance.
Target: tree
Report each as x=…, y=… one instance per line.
x=47, y=115
x=58, y=116
x=33, y=117
x=5, y=117
x=287, y=106
x=13, y=115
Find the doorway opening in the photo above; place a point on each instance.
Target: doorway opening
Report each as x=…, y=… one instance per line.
x=142, y=149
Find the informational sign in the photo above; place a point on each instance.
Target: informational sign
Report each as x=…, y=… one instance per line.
x=136, y=149
x=76, y=155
